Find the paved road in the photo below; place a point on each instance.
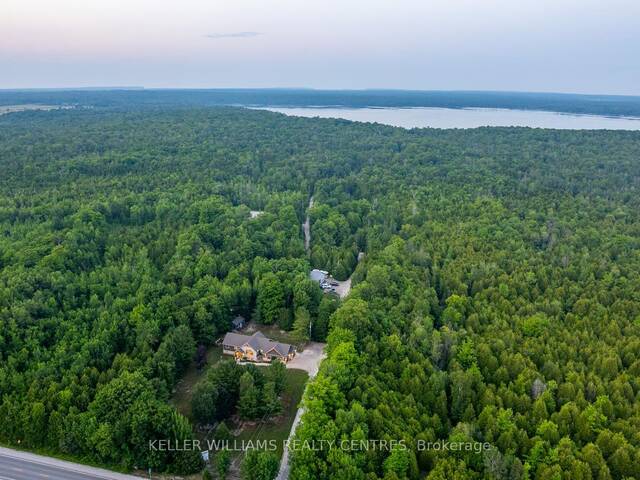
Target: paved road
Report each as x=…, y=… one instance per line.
x=17, y=465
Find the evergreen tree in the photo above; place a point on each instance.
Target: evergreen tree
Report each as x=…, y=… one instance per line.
x=223, y=461
x=249, y=401
x=302, y=325
x=270, y=403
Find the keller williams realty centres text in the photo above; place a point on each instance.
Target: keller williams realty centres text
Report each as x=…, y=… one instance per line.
x=314, y=445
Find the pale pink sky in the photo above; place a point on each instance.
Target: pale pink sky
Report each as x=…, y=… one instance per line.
x=542, y=45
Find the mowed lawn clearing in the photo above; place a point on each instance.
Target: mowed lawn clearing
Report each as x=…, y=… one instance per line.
x=181, y=398
x=278, y=428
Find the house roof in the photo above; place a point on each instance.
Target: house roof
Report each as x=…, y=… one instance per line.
x=257, y=341
x=234, y=339
x=281, y=348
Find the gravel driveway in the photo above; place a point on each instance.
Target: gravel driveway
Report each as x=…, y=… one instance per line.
x=344, y=288
x=309, y=359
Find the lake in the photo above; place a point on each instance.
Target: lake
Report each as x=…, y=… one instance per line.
x=465, y=118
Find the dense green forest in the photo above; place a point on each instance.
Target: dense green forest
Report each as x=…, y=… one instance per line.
x=498, y=300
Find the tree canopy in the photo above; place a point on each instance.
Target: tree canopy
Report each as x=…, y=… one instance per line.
x=497, y=301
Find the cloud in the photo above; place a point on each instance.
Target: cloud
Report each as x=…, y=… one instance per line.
x=234, y=35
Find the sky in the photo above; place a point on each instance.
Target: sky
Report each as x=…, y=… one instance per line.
x=580, y=46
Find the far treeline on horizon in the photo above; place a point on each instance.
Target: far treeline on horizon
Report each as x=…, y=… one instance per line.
x=607, y=105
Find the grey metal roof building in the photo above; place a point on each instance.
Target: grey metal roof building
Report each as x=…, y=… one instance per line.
x=318, y=275
x=238, y=323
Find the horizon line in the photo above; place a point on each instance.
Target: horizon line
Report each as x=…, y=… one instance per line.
x=121, y=88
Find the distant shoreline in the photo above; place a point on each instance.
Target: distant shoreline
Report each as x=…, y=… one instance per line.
x=463, y=118
x=617, y=106
x=5, y=109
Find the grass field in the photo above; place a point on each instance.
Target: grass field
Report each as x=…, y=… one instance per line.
x=181, y=398
x=278, y=428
